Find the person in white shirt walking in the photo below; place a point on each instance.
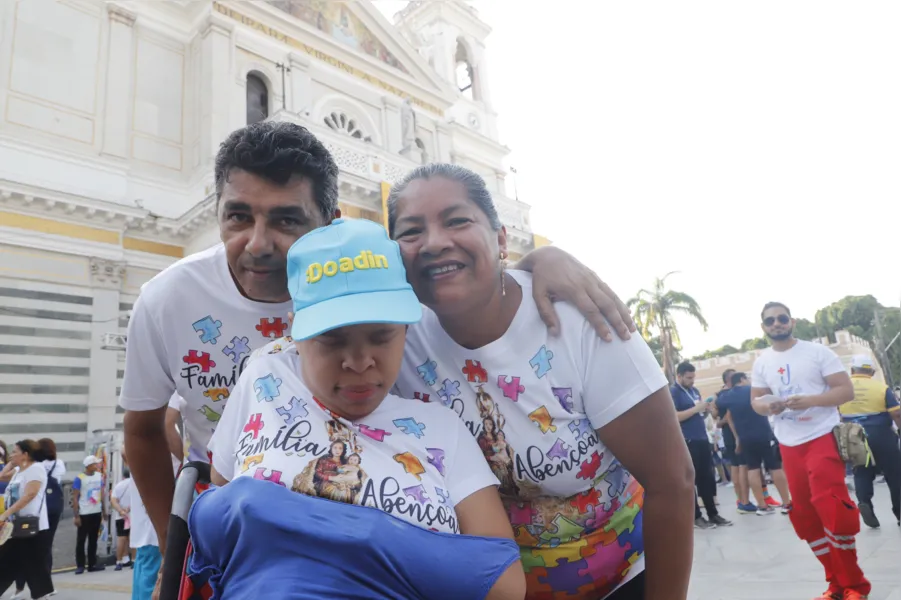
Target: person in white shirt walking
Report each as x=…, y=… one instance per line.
x=802, y=384
x=87, y=503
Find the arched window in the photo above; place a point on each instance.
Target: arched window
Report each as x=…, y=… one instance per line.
x=467, y=81
x=342, y=123
x=257, y=99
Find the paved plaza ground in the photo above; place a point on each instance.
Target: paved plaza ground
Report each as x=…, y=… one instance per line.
x=758, y=558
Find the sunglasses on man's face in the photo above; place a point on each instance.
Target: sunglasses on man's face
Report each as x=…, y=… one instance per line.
x=783, y=319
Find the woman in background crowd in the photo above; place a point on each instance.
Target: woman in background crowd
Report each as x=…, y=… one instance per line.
x=25, y=497
x=55, y=469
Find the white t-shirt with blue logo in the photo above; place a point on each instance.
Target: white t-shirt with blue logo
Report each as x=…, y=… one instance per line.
x=413, y=460
x=190, y=333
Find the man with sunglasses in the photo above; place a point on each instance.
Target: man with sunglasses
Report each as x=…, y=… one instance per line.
x=802, y=384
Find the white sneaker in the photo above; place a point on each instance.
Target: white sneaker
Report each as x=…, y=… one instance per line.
x=762, y=512
x=18, y=595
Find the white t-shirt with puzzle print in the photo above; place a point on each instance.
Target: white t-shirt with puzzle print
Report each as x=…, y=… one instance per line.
x=409, y=459
x=533, y=403
x=190, y=333
x=800, y=370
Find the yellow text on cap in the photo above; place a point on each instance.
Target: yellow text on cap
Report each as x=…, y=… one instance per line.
x=364, y=260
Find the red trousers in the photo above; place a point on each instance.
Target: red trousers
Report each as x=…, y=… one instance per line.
x=822, y=512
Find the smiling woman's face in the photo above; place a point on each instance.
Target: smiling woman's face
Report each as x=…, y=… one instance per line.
x=450, y=251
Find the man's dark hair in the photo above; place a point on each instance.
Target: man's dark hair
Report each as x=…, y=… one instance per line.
x=770, y=305
x=737, y=377
x=727, y=375
x=685, y=367
x=277, y=151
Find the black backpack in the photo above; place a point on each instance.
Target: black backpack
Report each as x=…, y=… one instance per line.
x=54, y=494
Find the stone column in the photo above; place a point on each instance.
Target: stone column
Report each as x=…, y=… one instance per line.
x=119, y=82
x=393, y=128
x=300, y=85
x=216, y=86
x=107, y=278
x=443, y=144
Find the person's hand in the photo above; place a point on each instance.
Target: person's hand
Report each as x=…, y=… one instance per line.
x=78, y=520
x=777, y=407
x=799, y=402
x=558, y=276
x=700, y=407
x=159, y=582
x=737, y=446
x=4, y=518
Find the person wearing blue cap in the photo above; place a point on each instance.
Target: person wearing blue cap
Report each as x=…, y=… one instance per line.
x=321, y=421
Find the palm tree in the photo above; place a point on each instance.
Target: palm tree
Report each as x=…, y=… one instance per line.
x=654, y=309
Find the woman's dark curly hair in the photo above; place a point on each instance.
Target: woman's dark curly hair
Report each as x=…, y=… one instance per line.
x=276, y=151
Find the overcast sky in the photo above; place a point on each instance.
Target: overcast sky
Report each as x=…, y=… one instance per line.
x=754, y=147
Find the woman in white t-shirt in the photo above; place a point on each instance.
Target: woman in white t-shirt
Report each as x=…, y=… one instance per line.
x=563, y=421
x=25, y=497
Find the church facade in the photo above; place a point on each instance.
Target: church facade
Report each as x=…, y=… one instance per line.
x=111, y=113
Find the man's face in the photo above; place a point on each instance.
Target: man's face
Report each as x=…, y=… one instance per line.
x=777, y=324
x=258, y=223
x=687, y=379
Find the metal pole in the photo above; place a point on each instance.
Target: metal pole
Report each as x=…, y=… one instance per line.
x=515, y=189
x=281, y=67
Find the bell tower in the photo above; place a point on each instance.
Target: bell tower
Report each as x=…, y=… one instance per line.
x=451, y=37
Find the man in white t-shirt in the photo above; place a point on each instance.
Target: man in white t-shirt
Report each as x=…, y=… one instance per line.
x=195, y=324
x=801, y=385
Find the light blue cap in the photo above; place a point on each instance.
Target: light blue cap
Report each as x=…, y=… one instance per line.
x=348, y=273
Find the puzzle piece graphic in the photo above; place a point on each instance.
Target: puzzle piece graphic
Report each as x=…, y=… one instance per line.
x=565, y=397
x=267, y=388
x=559, y=450
x=251, y=461
x=590, y=466
x=216, y=394
x=443, y=497
x=625, y=520
x=563, y=530
x=512, y=389
x=541, y=417
x=436, y=459
x=616, y=478
x=474, y=372
x=541, y=362
x=580, y=428
x=411, y=464
x=570, y=551
x=602, y=514
x=417, y=492
x=427, y=371
x=420, y=396
x=524, y=537
x=585, y=500
x=376, y=434
x=237, y=349
x=208, y=329
x=294, y=411
x=530, y=559
x=210, y=414
x=271, y=328
x=449, y=391
x=521, y=513
x=199, y=358
x=410, y=426
x=565, y=577
x=254, y=425
x=273, y=476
